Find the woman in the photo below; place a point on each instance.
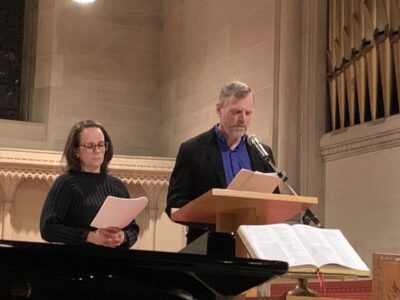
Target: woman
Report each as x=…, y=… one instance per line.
x=76, y=196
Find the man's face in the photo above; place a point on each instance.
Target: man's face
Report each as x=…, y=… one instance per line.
x=235, y=116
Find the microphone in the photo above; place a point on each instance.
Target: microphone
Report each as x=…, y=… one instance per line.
x=253, y=141
x=308, y=215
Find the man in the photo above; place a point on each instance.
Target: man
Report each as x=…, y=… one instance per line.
x=213, y=158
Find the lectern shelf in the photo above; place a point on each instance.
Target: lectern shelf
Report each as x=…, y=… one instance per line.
x=229, y=209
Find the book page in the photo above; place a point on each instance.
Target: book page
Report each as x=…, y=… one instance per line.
x=118, y=212
x=275, y=242
x=329, y=246
x=250, y=181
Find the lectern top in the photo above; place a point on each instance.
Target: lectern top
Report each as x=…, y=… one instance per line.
x=270, y=208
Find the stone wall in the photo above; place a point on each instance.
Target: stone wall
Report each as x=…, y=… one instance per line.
x=99, y=61
x=362, y=168
x=205, y=44
x=151, y=70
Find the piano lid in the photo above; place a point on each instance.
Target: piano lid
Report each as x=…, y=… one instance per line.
x=53, y=270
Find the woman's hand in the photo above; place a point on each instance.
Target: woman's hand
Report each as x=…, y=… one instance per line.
x=107, y=237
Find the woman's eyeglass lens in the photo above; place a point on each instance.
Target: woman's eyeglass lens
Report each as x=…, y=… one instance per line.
x=91, y=147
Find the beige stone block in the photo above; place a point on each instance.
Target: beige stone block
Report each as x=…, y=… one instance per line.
x=198, y=121
x=43, y=71
x=139, y=73
x=40, y=105
x=191, y=61
x=140, y=13
x=248, y=29
x=83, y=68
x=57, y=143
x=186, y=91
x=45, y=33
x=64, y=97
x=233, y=10
x=172, y=10
x=259, y=80
x=129, y=115
x=121, y=94
x=109, y=69
x=114, y=8
x=166, y=135
x=131, y=139
x=217, y=74
x=57, y=70
x=25, y=132
x=49, y=70
x=170, y=6
x=44, y=4
x=218, y=45
x=252, y=60
x=81, y=36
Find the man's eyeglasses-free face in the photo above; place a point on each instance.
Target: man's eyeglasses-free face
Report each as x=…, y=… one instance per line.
x=91, y=147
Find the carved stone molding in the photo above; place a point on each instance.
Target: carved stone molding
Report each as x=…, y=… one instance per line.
x=47, y=165
x=363, y=138
x=33, y=164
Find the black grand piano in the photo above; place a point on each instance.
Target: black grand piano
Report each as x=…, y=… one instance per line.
x=53, y=271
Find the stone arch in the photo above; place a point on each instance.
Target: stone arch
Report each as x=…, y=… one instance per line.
x=26, y=208
x=136, y=190
x=1, y=208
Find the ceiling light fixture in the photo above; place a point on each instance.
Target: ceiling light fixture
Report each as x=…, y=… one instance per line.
x=84, y=1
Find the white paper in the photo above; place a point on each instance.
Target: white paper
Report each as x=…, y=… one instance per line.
x=118, y=212
x=250, y=181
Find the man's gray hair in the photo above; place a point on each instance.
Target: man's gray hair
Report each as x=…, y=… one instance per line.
x=239, y=89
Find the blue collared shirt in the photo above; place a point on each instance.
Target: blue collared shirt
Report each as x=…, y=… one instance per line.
x=233, y=159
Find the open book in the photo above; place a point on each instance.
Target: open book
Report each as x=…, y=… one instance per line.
x=118, y=212
x=250, y=181
x=305, y=248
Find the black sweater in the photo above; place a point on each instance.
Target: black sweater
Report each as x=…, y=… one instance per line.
x=72, y=203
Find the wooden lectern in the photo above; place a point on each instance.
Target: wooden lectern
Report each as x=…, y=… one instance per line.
x=228, y=209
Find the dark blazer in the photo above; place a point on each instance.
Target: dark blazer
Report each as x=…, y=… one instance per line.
x=198, y=169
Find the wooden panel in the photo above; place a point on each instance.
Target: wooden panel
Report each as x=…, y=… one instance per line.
x=386, y=276
x=347, y=289
x=270, y=208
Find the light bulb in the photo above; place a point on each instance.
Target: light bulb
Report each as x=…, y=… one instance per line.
x=84, y=1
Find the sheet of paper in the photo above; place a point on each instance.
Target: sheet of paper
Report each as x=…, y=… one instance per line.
x=250, y=181
x=118, y=212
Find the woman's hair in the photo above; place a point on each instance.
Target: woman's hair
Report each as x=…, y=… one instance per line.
x=73, y=141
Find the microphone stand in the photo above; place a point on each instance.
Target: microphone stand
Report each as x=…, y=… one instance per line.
x=308, y=215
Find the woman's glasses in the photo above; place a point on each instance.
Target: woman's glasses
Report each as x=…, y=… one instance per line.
x=91, y=147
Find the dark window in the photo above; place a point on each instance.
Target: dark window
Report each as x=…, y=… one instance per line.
x=17, y=19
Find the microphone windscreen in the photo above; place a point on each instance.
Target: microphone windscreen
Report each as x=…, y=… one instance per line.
x=251, y=140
